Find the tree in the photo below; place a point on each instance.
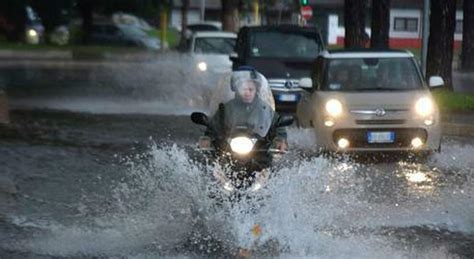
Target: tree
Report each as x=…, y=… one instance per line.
x=230, y=15
x=184, y=19
x=441, y=40
x=53, y=13
x=467, y=56
x=354, y=23
x=86, y=8
x=380, y=25
x=13, y=19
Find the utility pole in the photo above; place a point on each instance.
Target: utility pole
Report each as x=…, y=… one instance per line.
x=426, y=34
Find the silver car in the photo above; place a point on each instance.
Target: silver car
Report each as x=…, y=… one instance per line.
x=370, y=101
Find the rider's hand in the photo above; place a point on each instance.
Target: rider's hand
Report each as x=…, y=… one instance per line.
x=281, y=144
x=204, y=142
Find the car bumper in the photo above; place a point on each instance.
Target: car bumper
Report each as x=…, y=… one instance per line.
x=401, y=137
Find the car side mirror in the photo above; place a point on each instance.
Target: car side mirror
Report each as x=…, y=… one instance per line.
x=284, y=121
x=234, y=57
x=306, y=83
x=436, y=81
x=200, y=118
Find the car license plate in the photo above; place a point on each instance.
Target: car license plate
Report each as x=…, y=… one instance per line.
x=381, y=137
x=287, y=97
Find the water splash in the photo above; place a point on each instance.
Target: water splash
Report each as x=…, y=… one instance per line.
x=316, y=206
x=169, y=85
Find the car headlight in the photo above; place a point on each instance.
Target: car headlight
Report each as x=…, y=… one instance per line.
x=241, y=145
x=32, y=33
x=334, y=107
x=202, y=66
x=424, y=106
x=32, y=36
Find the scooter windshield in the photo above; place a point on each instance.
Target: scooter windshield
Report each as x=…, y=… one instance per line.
x=252, y=107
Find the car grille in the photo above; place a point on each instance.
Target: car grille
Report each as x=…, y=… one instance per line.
x=283, y=83
x=358, y=137
x=379, y=122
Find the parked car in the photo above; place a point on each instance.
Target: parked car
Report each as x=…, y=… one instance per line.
x=122, y=35
x=283, y=54
x=20, y=22
x=121, y=18
x=370, y=101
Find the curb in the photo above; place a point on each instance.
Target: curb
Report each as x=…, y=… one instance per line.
x=4, y=109
x=68, y=55
x=35, y=55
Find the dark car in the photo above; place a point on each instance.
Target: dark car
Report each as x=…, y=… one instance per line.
x=282, y=53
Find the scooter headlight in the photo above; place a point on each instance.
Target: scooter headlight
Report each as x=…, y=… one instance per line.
x=424, y=106
x=241, y=145
x=334, y=107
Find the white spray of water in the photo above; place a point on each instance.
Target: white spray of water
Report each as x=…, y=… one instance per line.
x=314, y=207
x=168, y=85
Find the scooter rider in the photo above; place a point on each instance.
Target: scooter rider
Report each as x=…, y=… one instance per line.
x=246, y=108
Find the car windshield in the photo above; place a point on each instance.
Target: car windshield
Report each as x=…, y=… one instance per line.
x=372, y=74
x=290, y=45
x=214, y=45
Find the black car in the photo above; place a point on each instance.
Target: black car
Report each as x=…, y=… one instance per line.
x=282, y=53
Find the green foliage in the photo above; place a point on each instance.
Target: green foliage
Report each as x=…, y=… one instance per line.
x=172, y=34
x=450, y=101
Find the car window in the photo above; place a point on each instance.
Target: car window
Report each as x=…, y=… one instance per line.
x=214, y=45
x=133, y=32
x=365, y=74
x=284, y=45
x=97, y=29
x=112, y=30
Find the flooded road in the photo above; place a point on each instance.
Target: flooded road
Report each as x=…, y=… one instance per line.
x=124, y=185
x=92, y=169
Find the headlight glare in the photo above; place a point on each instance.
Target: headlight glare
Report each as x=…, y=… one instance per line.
x=241, y=145
x=334, y=107
x=424, y=106
x=202, y=66
x=32, y=33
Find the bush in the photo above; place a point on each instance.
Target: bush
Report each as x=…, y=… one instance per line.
x=451, y=101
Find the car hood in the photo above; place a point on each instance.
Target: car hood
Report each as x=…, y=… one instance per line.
x=282, y=67
x=403, y=100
